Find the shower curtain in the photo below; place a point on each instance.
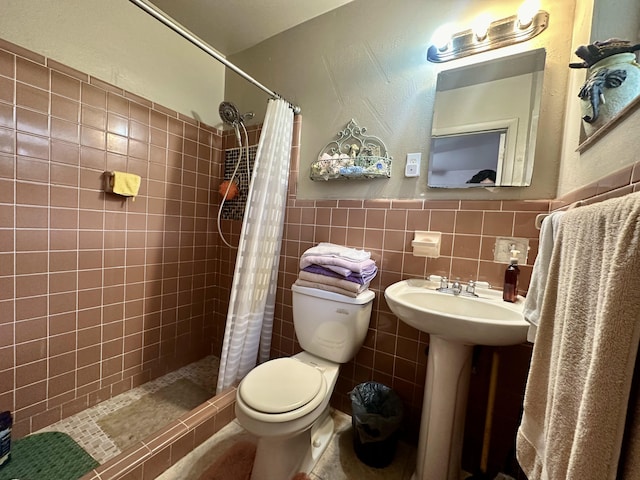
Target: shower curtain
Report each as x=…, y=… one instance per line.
x=247, y=337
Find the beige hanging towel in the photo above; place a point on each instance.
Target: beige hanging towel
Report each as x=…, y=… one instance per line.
x=125, y=184
x=576, y=404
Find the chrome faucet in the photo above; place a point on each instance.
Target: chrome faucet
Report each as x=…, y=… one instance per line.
x=471, y=288
x=444, y=286
x=458, y=288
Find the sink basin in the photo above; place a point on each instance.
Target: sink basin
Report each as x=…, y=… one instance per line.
x=482, y=320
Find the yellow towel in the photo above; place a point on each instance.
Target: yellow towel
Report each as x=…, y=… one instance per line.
x=577, y=421
x=125, y=184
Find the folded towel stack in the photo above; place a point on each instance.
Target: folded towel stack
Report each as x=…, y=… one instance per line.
x=337, y=269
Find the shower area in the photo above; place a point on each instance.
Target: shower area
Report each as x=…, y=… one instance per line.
x=121, y=304
x=177, y=398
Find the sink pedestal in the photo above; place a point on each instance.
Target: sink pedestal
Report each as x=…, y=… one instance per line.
x=443, y=410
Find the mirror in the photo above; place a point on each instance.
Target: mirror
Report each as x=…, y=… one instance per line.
x=485, y=122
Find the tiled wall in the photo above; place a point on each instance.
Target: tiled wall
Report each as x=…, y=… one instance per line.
x=97, y=293
x=394, y=353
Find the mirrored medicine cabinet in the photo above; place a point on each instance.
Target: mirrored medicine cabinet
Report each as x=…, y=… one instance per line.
x=485, y=123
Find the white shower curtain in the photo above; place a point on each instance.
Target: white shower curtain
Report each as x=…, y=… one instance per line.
x=247, y=336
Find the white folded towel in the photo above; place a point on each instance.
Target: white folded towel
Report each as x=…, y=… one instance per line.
x=332, y=250
x=537, y=285
x=343, y=266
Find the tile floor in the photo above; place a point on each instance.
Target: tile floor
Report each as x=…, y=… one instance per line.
x=84, y=429
x=339, y=461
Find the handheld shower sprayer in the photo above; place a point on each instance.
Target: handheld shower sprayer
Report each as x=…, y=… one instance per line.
x=230, y=115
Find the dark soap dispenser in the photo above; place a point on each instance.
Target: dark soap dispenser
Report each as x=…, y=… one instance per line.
x=510, y=289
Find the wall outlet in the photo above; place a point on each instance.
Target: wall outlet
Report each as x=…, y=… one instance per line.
x=502, y=249
x=412, y=168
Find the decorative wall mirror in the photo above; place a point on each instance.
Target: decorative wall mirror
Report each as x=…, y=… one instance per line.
x=485, y=122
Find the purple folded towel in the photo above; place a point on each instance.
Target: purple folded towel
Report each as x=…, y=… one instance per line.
x=338, y=265
x=353, y=277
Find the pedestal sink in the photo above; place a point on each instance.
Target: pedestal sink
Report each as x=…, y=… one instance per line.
x=455, y=324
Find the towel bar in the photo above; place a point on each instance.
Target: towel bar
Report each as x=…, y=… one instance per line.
x=108, y=182
x=540, y=218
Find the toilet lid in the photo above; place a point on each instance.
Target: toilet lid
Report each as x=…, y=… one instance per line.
x=280, y=385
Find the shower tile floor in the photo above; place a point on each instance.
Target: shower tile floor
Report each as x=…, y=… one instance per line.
x=84, y=427
x=339, y=462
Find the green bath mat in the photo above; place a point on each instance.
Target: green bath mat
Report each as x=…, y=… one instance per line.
x=47, y=456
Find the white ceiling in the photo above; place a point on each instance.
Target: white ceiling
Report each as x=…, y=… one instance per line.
x=231, y=26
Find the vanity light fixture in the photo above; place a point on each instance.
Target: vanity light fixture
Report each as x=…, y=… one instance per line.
x=486, y=35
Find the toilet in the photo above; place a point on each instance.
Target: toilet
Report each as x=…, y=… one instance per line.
x=285, y=401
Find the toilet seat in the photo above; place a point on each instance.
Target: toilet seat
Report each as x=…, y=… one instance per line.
x=282, y=389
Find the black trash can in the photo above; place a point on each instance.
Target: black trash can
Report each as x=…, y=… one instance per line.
x=376, y=415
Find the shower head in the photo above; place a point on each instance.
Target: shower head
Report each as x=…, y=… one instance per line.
x=229, y=113
x=231, y=116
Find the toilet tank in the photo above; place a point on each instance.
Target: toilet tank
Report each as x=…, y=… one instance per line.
x=330, y=325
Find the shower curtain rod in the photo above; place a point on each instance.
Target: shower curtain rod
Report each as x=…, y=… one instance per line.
x=159, y=15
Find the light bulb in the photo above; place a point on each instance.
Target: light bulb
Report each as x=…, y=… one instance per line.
x=527, y=11
x=442, y=36
x=480, y=26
